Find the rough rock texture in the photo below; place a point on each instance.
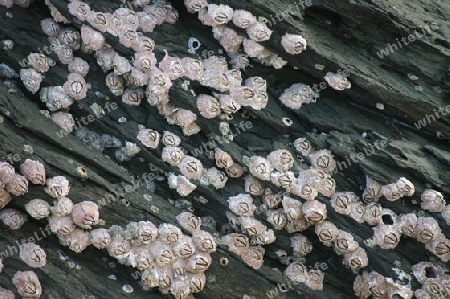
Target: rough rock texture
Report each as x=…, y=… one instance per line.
x=341, y=35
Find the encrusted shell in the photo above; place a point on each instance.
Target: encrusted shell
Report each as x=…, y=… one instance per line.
x=57, y=187
x=64, y=53
x=18, y=185
x=314, y=280
x=185, y=247
x=293, y=44
x=220, y=14
x=172, y=155
x=281, y=160
x=432, y=201
x=259, y=32
x=252, y=226
x=292, y=208
x=242, y=205
x=38, y=208
x=189, y=221
x=33, y=171
x=78, y=240
x=92, y=39
x=405, y=187
x=342, y=202
x=356, y=260
x=297, y=272
x=198, y=262
x=284, y=180
x=260, y=168
x=5, y=198
x=149, y=138
x=63, y=120
x=147, y=232
x=193, y=68
x=408, y=224
x=99, y=20
x=27, y=284
x=301, y=245
x=79, y=9
x=169, y=233
x=204, y=241
x=372, y=192
x=4, y=293
x=323, y=160
x=390, y=192
x=162, y=253
x=100, y=238
x=191, y=167
x=33, y=255
x=345, y=243
x=235, y=170
x=195, y=5
x=208, y=106
x=237, y=243
x=253, y=186
x=172, y=66
x=85, y=214
x=6, y=173
x=314, y=211
x=75, y=86
x=243, y=18
x=39, y=62
x=327, y=232
x=277, y=218
x=216, y=177
x=62, y=207
x=254, y=256
x=182, y=184
x=12, y=218
x=427, y=229
x=61, y=225
x=119, y=248
x=386, y=236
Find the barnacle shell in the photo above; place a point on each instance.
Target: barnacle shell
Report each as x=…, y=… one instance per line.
x=170, y=139
x=100, y=238
x=182, y=184
x=228, y=38
x=277, y=218
x=323, y=160
x=396, y=290
x=119, y=248
x=162, y=253
x=254, y=256
x=195, y=5
x=220, y=14
x=228, y=104
x=208, y=106
x=292, y=208
x=4, y=293
x=121, y=65
x=79, y=9
x=296, y=95
x=296, y=272
x=314, y=211
x=172, y=155
x=440, y=247
x=141, y=258
x=128, y=17
x=386, y=236
x=191, y=167
x=18, y=185
x=63, y=120
x=85, y=214
x=31, y=79
x=373, y=213
x=293, y=44
x=133, y=96
x=169, y=233
x=5, y=198
x=235, y=170
x=345, y=243
x=237, y=243
x=252, y=48
x=243, y=18
x=78, y=240
x=57, y=187
x=281, y=160
x=301, y=245
x=204, y=241
x=425, y=272
x=314, y=280
x=193, y=68
x=64, y=53
x=337, y=81
x=172, y=66
x=260, y=168
x=252, y=226
x=92, y=39
x=147, y=232
x=149, y=138
x=259, y=32
x=144, y=61
x=6, y=173
x=327, y=232
x=198, y=262
x=39, y=62
x=356, y=260
x=432, y=201
x=284, y=180
x=189, y=221
x=216, y=177
x=405, y=187
x=38, y=208
x=61, y=225
x=50, y=27
x=70, y=37
x=33, y=171
x=114, y=83
x=99, y=20
x=407, y=224
x=185, y=247
x=33, y=255
x=358, y=211
x=427, y=229
x=27, y=284
x=239, y=60
x=253, y=186
x=372, y=192
x=75, y=86
x=390, y=192
x=303, y=146
x=79, y=66
x=143, y=44
x=12, y=218
x=62, y=207
x=242, y=205
x=342, y=202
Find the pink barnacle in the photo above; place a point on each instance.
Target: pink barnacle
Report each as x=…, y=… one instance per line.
x=184, y=117
x=129, y=18
x=221, y=14
x=301, y=245
x=75, y=86
x=228, y=38
x=372, y=192
x=304, y=189
x=193, y=68
x=27, y=284
x=284, y=180
x=292, y=208
x=50, y=27
x=147, y=232
x=356, y=260
x=172, y=155
x=228, y=104
x=243, y=18
x=251, y=226
x=432, y=201
x=39, y=62
x=85, y=214
x=342, y=202
x=337, y=81
x=144, y=61
x=33, y=171
x=323, y=160
x=162, y=253
x=241, y=205
x=297, y=272
x=5, y=198
x=327, y=233
x=100, y=238
x=169, y=233
x=119, y=248
x=182, y=184
x=129, y=38
x=61, y=225
x=358, y=211
x=390, y=192
x=92, y=39
x=79, y=66
x=144, y=44
x=70, y=37
x=293, y=44
x=4, y=293
x=372, y=214
x=33, y=255
x=216, y=178
x=191, y=168
x=184, y=248
x=189, y=221
x=170, y=139
x=314, y=280
x=303, y=146
x=158, y=10
x=171, y=66
x=57, y=187
x=254, y=256
x=253, y=186
x=79, y=9
x=6, y=173
x=195, y=5
x=235, y=170
x=259, y=32
x=31, y=79
x=62, y=207
x=223, y=159
x=63, y=120
x=115, y=83
x=18, y=185
x=64, y=53
x=38, y=208
x=99, y=20
x=405, y=187
x=282, y=160
x=345, y=243
x=121, y=65
x=386, y=236
x=55, y=98
x=277, y=218
x=133, y=96
x=78, y=240
x=208, y=106
x=149, y=138
x=252, y=48
x=204, y=241
x=408, y=224
x=427, y=229
x=236, y=243
x=440, y=247
x=198, y=262
x=12, y=218
x=260, y=168
x=270, y=199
